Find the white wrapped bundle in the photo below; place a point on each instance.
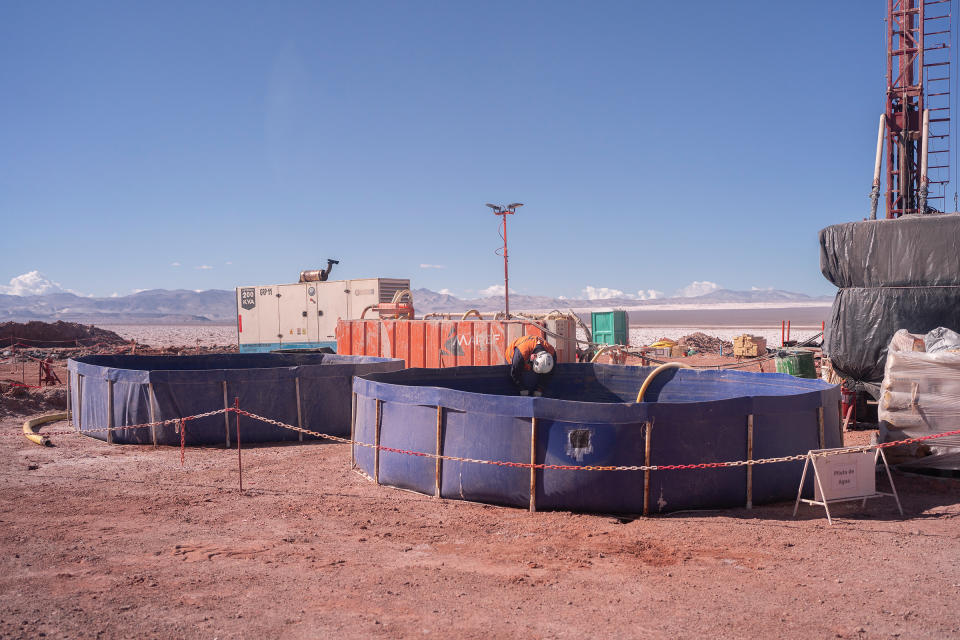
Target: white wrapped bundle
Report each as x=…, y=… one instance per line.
x=920, y=394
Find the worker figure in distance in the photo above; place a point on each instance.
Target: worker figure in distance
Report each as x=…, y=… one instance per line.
x=531, y=364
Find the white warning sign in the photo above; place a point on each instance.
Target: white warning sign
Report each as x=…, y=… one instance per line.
x=846, y=475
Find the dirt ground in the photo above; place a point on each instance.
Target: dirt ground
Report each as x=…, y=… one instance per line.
x=104, y=541
x=108, y=541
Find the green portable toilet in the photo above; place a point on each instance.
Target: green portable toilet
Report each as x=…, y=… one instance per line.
x=609, y=327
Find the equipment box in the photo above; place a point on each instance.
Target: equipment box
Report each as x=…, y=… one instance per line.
x=304, y=315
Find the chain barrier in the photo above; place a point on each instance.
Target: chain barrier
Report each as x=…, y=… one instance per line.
x=563, y=467
x=143, y=425
x=25, y=386
x=181, y=428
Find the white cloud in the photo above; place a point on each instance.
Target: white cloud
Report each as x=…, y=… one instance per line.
x=494, y=290
x=602, y=293
x=204, y=267
x=445, y=292
x=32, y=283
x=198, y=290
x=761, y=288
x=605, y=293
x=649, y=294
x=114, y=295
x=138, y=290
x=424, y=265
x=697, y=288
x=228, y=262
x=174, y=264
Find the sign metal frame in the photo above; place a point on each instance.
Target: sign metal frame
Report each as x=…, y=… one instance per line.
x=816, y=455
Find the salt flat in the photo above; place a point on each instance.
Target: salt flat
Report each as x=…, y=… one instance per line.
x=177, y=335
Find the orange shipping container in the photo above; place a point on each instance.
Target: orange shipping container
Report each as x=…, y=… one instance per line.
x=450, y=343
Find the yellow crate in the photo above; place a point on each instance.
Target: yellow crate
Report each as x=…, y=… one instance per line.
x=748, y=346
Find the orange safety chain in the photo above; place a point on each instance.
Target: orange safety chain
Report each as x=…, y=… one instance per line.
x=25, y=386
x=500, y=463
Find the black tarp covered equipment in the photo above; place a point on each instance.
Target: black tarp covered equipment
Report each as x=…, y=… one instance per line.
x=892, y=274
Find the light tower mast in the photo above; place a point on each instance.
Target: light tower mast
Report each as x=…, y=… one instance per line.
x=503, y=212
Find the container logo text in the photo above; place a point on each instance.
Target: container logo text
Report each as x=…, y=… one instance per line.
x=248, y=298
x=455, y=343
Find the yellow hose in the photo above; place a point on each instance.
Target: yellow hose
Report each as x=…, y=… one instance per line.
x=30, y=426
x=655, y=372
x=603, y=350
x=467, y=314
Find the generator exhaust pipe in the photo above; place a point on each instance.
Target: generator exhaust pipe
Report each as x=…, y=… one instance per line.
x=318, y=275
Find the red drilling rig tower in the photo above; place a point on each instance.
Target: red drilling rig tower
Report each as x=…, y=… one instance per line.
x=918, y=100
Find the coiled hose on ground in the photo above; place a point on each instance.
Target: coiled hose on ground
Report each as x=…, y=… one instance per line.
x=30, y=427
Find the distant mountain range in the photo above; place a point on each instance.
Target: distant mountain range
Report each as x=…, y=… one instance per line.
x=155, y=306
x=180, y=306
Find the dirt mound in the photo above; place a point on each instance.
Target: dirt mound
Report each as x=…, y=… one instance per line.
x=704, y=343
x=16, y=400
x=56, y=334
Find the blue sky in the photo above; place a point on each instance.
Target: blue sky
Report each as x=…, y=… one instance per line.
x=207, y=145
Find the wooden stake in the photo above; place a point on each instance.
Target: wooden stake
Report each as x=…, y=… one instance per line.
x=750, y=457
x=376, y=443
x=153, y=416
x=79, y=403
x=439, y=465
x=820, y=424
x=296, y=382
x=533, y=460
x=648, y=428
x=353, y=430
x=110, y=411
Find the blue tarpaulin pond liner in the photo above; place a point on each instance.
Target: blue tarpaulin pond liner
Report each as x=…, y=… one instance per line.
x=589, y=416
x=267, y=384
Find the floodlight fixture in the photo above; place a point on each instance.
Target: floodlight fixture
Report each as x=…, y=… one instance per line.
x=503, y=212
